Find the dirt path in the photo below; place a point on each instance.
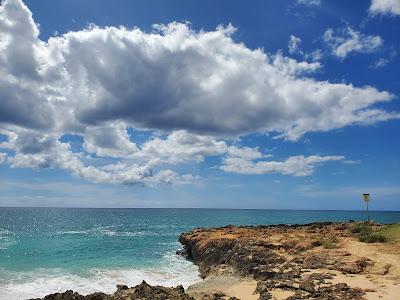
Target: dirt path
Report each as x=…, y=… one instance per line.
x=383, y=277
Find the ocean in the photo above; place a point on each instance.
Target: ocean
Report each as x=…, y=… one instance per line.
x=47, y=250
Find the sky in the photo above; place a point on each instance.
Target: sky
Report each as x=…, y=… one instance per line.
x=290, y=104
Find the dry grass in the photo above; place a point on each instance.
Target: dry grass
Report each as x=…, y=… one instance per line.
x=391, y=232
x=368, y=234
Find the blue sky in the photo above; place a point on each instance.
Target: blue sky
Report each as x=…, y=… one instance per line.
x=274, y=104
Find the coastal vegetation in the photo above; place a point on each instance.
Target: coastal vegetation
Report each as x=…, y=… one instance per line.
x=328, y=242
x=391, y=232
x=370, y=233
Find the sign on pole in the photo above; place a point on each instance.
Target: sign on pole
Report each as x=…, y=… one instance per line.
x=366, y=197
x=366, y=200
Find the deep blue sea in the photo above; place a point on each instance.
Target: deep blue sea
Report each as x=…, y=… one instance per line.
x=45, y=250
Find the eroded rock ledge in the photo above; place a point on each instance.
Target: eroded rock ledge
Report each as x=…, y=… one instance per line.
x=142, y=291
x=300, y=259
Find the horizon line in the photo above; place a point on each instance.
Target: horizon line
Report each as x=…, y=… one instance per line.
x=203, y=208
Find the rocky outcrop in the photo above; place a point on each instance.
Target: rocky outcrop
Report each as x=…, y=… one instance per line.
x=280, y=257
x=142, y=291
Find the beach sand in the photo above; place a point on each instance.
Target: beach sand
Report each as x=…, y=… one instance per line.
x=382, y=278
x=229, y=285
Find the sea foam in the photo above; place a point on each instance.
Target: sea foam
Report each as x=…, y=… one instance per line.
x=41, y=282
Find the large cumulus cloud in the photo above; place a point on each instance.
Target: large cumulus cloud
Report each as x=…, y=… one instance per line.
x=196, y=87
x=203, y=82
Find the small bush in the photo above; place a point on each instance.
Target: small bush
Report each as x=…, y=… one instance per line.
x=362, y=228
x=374, y=237
x=392, y=232
x=356, y=229
x=316, y=243
x=366, y=233
x=327, y=243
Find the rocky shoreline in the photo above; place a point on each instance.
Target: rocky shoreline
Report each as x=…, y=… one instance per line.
x=142, y=291
x=279, y=257
x=311, y=261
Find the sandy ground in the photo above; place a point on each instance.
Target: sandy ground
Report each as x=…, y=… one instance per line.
x=231, y=286
x=383, y=277
x=280, y=294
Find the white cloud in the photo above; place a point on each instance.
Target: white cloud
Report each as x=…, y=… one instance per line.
x=291, y=67
x=391, y=7
x=294, y=48
x=182, y=146
x=314, y=56
x=3, y=157
x=245, y=153
x=294, y=44
x=47, y=152
x=197, y=88
x=352, y=162
x=35, y=150
x=295, y=165
x=381, y=62
x=309, y=2
x=109, y=141
x=347, y=40
x=171, y=79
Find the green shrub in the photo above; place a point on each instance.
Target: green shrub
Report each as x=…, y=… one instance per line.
x=362, y=228
x=327, y=242
x=366, y=233
x=392, y=232
x=374, y=237
x=356, y=228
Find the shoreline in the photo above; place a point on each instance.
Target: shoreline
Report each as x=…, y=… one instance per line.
x=310, y=261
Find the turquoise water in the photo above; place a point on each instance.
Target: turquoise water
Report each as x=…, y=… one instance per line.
x=45, y=250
